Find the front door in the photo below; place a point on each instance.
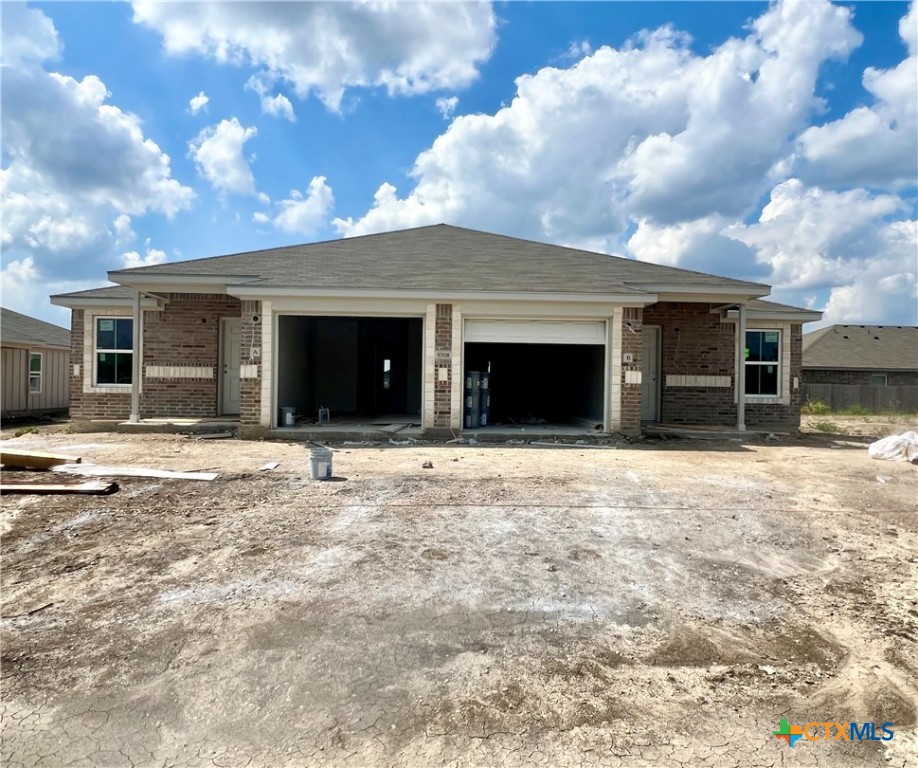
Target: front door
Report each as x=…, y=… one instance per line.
x=650, y=374
x=230, y=358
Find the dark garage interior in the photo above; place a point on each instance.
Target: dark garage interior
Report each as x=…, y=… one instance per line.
x=558, y=383
x=354, y=366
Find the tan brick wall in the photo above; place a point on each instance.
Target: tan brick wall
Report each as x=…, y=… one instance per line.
x=443, y=361
x=186, y=333
x=250, y=338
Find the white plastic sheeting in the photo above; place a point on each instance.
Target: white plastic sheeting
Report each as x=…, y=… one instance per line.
x=902, y=447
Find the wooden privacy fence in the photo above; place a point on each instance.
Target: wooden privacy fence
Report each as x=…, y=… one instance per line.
x=902, y=399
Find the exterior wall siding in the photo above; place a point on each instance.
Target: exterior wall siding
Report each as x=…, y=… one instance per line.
x=185, y=334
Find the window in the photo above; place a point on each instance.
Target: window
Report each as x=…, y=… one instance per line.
x=763, y=363
x=878, y=379
x=35, y=366
x=114, y=351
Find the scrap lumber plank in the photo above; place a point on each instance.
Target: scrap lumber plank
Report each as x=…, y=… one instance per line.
x=12, y=457
x=91, y=487
x=92, y=470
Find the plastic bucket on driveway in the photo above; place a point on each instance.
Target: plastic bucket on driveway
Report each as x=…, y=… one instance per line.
x=320, y=460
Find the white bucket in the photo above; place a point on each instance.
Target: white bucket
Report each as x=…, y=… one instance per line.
x=320, y=460
x=288, y=416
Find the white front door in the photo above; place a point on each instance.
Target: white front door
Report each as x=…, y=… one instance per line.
x=229, y=359
x=650, y=373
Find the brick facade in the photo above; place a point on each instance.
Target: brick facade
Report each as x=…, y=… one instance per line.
x=694, y=342
x=250, y=339
x=632, y=344
x=443, y=353
x=187, y=334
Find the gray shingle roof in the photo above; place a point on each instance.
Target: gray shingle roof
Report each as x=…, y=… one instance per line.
x=773, y=306
x=108, y=292
x=439, y=258
x=865, y=347
x=22, y=329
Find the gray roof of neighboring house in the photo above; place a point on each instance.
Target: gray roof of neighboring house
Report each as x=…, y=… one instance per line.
x=864, y=347
x=439, y=258
x=22, y=329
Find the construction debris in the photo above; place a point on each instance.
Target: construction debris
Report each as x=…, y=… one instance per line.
x=92, y=470
x=578, y=444
x=427, y=464
x=269, y=466
x=90, y=487
x=214, y=435
x=409, y=441
x=10, y=457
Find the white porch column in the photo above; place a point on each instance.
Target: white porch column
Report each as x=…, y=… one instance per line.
x=614, y=368
x=741, y=369
x=135, y=359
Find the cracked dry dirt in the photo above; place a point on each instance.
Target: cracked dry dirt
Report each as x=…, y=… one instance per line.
x=641, y=606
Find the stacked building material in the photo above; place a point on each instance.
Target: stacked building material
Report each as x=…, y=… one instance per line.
x=477, y=399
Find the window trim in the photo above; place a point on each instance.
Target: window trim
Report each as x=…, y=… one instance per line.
x=885, y=377
x=96, y=350
x=779, y=363
x=40, y=375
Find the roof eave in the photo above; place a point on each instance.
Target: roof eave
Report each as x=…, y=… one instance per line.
x=81, y=302
x=803, y=316
x=625, y=298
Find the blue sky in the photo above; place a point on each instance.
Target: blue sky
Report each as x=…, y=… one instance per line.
x=777, y=142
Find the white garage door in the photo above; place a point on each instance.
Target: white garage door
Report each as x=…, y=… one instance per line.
x=535, y=332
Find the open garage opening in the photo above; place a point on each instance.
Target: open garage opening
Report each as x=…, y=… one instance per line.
x=541, y=385
x=362, y=369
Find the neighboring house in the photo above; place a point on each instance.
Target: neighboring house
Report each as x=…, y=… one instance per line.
x=388, y=324
x=869, y=366
x=882, y=355
x=35, y=365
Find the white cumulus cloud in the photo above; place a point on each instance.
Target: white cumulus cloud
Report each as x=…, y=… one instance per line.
x=277, y=105
x=198, y=103
x=150, y=257
x=326, y=48
x=76, y=167
x=845, y=242
x=447, y=105
x=649, y=131
x=873, y=145
x=218, y=152
x=304, y=214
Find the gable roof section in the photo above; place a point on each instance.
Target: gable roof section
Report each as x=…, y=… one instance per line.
x=438, y=258
x=862, y=347
x=17, y=328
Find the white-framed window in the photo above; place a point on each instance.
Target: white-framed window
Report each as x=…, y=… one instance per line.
x=36, y=367
x=763, y=363
x=114, y=351
x=878, y=379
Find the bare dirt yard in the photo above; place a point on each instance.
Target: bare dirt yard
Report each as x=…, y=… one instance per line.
x=662, y=603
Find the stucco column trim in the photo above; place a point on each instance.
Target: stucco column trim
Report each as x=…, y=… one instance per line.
x=267, y=362
x=455, y=411
x=430, y=345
